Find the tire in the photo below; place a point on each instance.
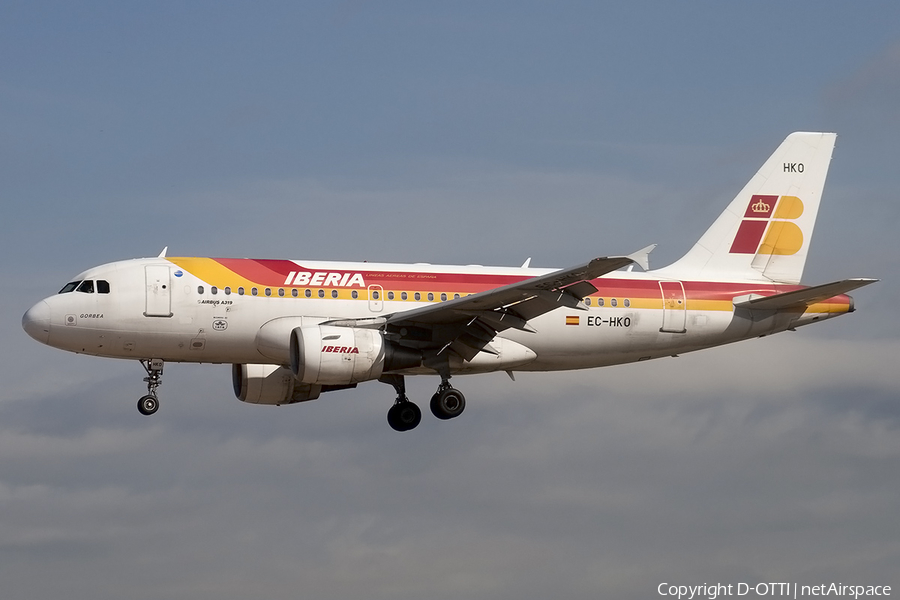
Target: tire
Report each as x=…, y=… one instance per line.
x=435, y=408
x=448, y=404
x=148, y=404
x=404, y=416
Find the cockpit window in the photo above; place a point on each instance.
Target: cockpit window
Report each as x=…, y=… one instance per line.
x=86, y=286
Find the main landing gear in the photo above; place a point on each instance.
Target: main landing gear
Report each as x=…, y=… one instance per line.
x=149, y=404
x=447, y=403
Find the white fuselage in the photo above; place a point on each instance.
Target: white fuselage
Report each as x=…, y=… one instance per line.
x=183, y=316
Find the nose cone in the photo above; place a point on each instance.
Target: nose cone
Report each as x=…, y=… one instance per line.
x=36, y=322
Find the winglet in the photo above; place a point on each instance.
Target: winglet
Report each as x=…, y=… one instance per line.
x=642, y=257
x=163, y=253
x=527, y=263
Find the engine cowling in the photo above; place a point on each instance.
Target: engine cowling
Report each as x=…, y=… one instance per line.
x=329, y=355
x=270, y=384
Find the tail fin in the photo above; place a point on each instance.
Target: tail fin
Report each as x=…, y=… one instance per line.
x=764, y=233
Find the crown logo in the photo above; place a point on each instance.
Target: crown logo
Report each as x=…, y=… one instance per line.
x=760, y=207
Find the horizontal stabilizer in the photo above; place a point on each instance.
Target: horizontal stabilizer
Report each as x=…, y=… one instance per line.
x=804, y=297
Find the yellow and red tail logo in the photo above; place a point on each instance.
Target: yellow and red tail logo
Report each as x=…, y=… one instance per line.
x=772, y=216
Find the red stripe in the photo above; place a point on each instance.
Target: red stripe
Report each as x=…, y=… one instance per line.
x=748, y=236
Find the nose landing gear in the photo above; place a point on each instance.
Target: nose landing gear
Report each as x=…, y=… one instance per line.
x=149, y=404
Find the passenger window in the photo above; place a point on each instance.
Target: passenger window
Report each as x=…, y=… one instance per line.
x=69, y=287
x=443, y=297
x=599, y=301
x=334, y=293
x=430, y=297
x=295, y=292
x=587, y=301
x=403, y=296
x=213, y=290
x=418, y=296
x=268, y=291
x=613, y=302
x=375, y=295
x=102, y=286
x=199, y=289
x=627, y=303
x=321, y=293
x=253, y=291
x=307, y=293
x=354, y=294
x=241, y=291
x=455, y=296
x=227, y=291
x=281, y=292
x=390, y=295
x=86, y=287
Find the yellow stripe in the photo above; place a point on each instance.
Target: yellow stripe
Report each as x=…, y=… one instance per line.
x=213, y=273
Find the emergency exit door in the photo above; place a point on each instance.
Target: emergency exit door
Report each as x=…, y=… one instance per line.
x=376, y=298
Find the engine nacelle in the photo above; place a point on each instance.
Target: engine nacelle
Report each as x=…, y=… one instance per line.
x=270, y=384
x=329, y=355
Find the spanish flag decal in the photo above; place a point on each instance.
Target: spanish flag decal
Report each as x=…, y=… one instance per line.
x=573, y=320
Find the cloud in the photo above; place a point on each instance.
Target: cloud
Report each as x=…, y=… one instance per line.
x=570, y=482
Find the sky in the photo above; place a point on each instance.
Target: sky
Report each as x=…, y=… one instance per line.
x=453, y=133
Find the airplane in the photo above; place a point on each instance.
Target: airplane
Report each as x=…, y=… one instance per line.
x=295, y=329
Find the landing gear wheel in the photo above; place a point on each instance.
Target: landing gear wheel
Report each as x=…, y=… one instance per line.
x=448, y=403
x=404, y=416
x=148, y=405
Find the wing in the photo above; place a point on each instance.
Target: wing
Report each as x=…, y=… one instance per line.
x=466, y=325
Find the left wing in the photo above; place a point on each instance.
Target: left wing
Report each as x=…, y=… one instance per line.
x=467, y=325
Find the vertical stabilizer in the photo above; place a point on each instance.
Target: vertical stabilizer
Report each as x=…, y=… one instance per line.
x=765, y=232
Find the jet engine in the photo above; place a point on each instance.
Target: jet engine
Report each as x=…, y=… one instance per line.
x=330, y=355
x=270, y=384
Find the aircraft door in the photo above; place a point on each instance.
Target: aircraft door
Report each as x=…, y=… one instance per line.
x=376, y=298
x=674, y=307
x=159, y=291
